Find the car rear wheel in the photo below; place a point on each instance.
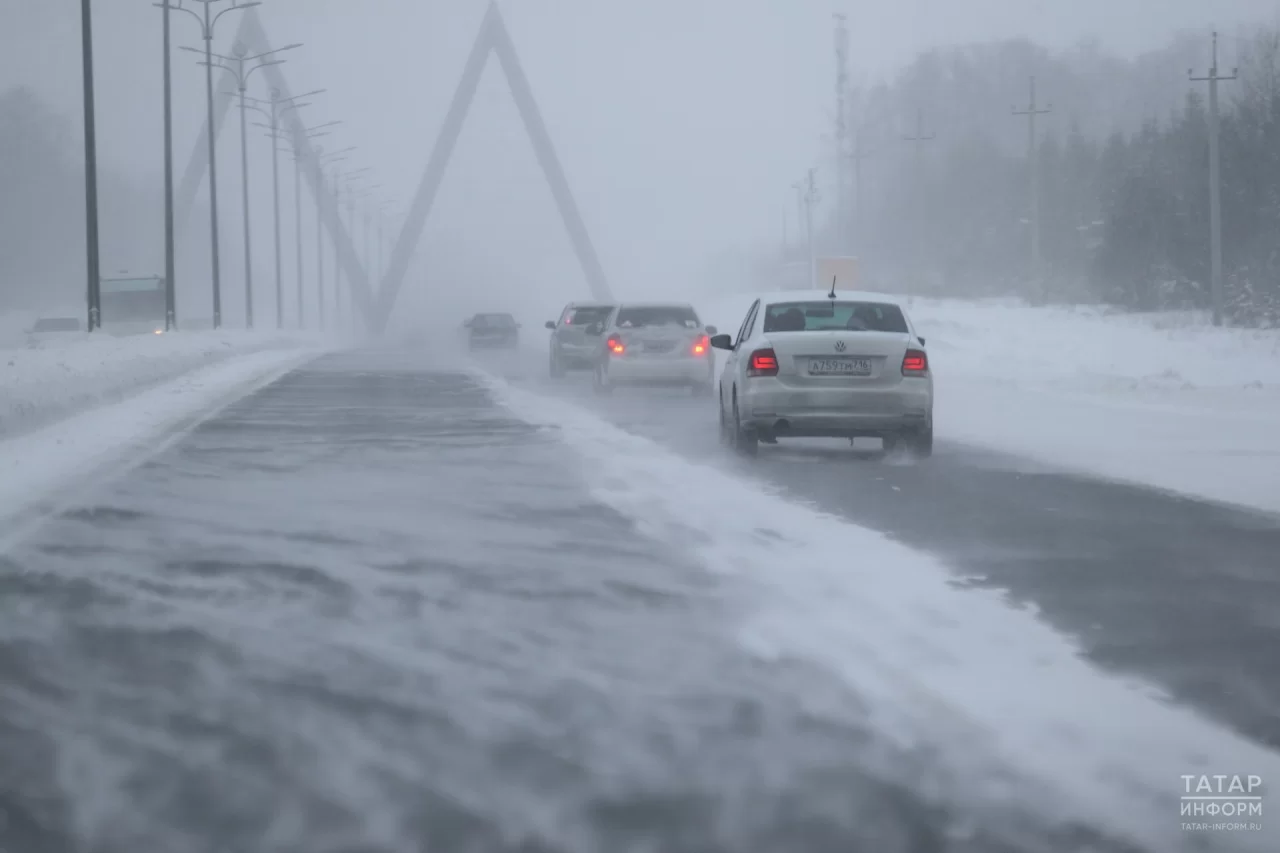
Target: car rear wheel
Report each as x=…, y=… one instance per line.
x=922, y=443
x=600, y=379
x=917, y=444
x=745, y=440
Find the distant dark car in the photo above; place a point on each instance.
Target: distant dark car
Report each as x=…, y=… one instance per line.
x=493, y=331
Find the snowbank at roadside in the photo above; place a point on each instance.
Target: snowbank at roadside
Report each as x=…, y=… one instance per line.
x=1162, y=400
x=53, y=377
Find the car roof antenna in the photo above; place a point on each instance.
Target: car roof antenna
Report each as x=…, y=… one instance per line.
x=832, y=294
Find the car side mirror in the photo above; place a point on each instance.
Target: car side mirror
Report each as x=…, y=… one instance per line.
x=711, y=330
x=921, y=340
x=721, y=342
x=550, y=324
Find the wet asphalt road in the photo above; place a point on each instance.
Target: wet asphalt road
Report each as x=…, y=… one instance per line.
x=1181, y=592
x=366, y=610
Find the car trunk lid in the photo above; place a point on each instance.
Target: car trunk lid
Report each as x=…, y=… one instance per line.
x=824, y=358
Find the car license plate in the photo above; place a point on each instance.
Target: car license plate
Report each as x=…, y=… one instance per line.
x=658, y=346
x=839, y=367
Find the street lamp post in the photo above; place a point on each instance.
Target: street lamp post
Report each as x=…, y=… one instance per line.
x=94, y=282
x=236, y=64
x=308, y=133
x=337, y=194
x=274, y=109
x=322, y=160
x=207, y=24
x=170, y=291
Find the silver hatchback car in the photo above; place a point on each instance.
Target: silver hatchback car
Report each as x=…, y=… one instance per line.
x=814, y=364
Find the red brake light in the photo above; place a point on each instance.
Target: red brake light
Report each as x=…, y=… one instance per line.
x=615, y=346
x=764, y=362
x=915, y=362
x=701, y=344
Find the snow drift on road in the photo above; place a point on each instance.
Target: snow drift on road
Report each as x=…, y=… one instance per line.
x=55, y=376
x=38, y=467
x=983, y=688
x=1161, y=400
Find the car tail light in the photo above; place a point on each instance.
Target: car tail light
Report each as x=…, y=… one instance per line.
x=615, y=346
x=915, y=363
x=701, y=345
x=764, y=362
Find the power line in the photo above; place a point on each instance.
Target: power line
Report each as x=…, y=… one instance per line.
x=1033, y=165
x=1215, y=180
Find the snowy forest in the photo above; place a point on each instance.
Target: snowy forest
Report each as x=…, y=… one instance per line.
x=1124, y=169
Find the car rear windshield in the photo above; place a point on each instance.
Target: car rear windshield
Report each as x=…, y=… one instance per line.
x=496, y=321
x=587, y=315
x=834, y=316
x=657, y=315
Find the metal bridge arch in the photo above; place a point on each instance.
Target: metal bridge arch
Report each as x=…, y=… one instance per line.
x=376, y=307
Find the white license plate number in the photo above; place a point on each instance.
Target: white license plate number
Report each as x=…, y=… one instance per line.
x=839, y=367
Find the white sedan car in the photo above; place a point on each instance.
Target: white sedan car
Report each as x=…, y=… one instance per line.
x=838, y=365
x=654, y=344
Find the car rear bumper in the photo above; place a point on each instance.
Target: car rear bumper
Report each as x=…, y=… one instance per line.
x=659, y=371
x=571, y=356
x=496, y=342
x=820, y=412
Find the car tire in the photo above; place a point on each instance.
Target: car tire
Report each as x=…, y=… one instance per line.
x=745, y=440
x=921, y=444
x=554, y=367
x=600, y=379
x=726, y=437
x=702, y=389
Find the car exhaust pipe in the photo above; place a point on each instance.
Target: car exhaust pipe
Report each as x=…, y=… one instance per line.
x=781, y=425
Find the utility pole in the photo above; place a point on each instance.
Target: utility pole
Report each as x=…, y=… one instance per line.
x=1033, y=165
x=918, y=181
x=1215, y=184
x=807, y=192
x=842, y=79
x=170, y=290
x=93, y=286
x=858, y=154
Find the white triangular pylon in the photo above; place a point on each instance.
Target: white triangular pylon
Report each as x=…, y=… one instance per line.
x=493, y=38
x=376, y=308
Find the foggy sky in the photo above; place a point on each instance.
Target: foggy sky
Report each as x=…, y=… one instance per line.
x=681, y=123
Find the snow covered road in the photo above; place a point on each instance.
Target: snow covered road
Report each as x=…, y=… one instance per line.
x=387, y=603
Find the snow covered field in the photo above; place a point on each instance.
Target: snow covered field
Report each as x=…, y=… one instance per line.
x=43, y=379
x=1161, y=400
